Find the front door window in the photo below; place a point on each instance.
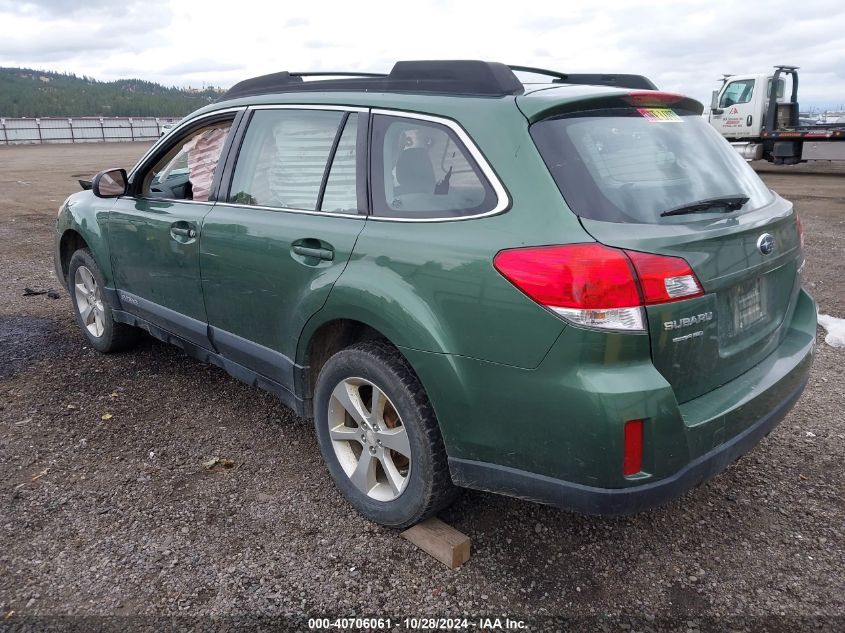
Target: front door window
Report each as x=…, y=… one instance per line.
x=186, y=171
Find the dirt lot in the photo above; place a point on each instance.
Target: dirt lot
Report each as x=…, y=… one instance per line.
x=119, y=516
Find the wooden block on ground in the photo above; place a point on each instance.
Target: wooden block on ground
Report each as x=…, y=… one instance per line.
x=441, y=541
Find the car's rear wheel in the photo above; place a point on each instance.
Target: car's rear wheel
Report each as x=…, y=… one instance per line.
x=93, y=313
x=379, y=436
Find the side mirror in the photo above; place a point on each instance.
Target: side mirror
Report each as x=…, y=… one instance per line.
x=714, y=103
x=111, y=183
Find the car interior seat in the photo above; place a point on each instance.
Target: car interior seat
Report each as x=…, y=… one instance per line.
x=414, y=172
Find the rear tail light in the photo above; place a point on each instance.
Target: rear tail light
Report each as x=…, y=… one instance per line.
x=632, y=456
x=596, y=285
x=663, y=278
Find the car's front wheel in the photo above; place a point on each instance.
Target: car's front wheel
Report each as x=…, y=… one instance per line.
x=379, y=436
x=93, y=313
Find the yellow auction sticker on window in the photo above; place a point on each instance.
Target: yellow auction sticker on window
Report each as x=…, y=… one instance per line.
x=659, y=115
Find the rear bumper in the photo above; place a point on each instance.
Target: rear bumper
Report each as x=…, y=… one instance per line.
x=617, y=501
x=554, y=434
x=574, y=461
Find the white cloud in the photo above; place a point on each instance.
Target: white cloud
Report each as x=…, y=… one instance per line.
x=682, y=46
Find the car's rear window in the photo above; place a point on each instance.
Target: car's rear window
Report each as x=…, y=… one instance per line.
x=632, y=164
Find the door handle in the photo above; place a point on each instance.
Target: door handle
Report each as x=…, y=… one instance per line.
x=320, y=253
x=189, y=233
x=183, y=231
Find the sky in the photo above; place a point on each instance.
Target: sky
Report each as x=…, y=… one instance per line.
x=683, y=46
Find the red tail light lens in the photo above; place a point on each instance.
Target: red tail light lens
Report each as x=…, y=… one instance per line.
x=663, y=278
x=632, y=457
x=575, y=276
x=588, y=284
x=596, y=285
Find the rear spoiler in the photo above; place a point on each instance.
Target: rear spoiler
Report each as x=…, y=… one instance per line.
x=536, y=110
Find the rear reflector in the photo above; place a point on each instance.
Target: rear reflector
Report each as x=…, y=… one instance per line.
x=596, y=285
x=800, y=229
x=609, y=319
x=632, y=459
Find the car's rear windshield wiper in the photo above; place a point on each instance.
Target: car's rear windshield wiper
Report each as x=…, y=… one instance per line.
x=730, y=203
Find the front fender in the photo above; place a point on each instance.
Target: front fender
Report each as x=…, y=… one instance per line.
x=88, y=216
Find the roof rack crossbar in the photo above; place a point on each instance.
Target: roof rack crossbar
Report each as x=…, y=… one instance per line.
x=617, y=80
x=446, y=77
x=323, y=73
x=538, y=71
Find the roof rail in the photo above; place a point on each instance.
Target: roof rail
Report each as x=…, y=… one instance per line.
x=324, y=73
x=449, y=77
x=636, y=82
x=261, y=85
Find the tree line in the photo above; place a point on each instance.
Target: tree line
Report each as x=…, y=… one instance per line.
x=34, y=93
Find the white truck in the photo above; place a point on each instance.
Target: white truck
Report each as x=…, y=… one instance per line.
x=760, y=127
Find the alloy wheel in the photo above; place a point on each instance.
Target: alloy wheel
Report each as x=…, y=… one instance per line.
x=369, y=439
x=89, y=301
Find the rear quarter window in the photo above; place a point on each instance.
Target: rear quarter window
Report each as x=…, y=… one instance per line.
x=421, y=169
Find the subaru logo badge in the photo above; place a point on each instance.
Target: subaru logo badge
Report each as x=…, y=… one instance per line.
x=766, y=243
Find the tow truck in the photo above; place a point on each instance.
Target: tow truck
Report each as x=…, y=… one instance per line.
x=760, y=127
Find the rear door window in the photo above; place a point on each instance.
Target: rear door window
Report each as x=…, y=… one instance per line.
x=283, y=159
x=341, y=192
x=421, y=169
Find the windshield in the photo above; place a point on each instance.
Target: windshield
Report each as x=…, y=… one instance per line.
x=632, y=164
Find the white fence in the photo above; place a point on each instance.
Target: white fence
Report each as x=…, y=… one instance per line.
x=80, y=130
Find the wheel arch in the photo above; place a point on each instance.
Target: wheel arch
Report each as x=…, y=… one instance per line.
x=327, y=333
x=358, y=306
x=70, y=242
x=325, y=339
x=439, y=374
x=402, y=317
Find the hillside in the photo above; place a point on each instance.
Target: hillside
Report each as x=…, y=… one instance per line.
x=34, y=93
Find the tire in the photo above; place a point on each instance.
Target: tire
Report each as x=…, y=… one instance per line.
x=377, y=487
x=93, y=313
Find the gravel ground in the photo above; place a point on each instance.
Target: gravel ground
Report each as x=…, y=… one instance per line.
x=106, y=507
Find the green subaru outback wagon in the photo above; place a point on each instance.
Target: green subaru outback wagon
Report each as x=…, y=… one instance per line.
x=572, y=291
